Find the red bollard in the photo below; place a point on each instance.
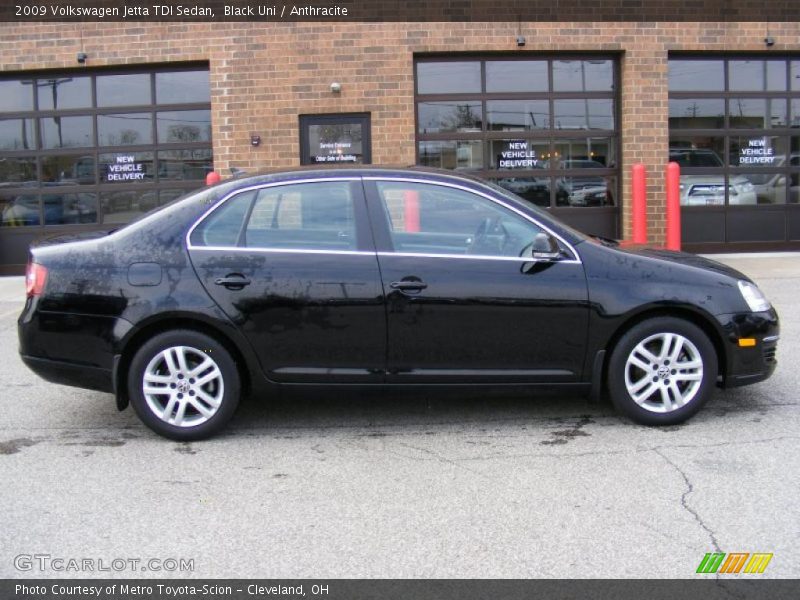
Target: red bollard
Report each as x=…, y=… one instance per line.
x=639, y=223
x=411, y=210
x=673, y=206
x=212, y=178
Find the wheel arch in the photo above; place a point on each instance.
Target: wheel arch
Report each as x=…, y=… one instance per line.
x=136, y=339
x=702, y=320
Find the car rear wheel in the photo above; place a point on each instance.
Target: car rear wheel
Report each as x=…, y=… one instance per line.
x=662, y=371
x=184, y=385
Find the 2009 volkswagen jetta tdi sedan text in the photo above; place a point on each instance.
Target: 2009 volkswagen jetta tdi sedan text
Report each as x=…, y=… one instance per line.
x=386, y=277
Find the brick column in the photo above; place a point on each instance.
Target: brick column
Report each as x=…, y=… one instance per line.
x=645, y=133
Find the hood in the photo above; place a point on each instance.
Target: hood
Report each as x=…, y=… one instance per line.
x=686, y=259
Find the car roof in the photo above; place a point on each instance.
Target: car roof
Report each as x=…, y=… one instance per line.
x=330, y=171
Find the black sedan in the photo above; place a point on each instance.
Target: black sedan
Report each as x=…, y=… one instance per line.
x=381, y=277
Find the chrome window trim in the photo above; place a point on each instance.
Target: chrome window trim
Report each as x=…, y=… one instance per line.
x=284, y=250
x=221, y=201
x=250, y=188
x=575, y=260
x=473, y=257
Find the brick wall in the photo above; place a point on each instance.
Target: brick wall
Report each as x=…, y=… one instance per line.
x=264, y=75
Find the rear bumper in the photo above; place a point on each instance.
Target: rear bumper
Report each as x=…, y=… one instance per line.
x=747, y=365
x=67, y=373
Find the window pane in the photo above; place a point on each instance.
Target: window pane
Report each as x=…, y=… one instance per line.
x=452, y=221
x=125, y=129
x=64, y=92
x=309, y=216
x=185, y=164
x=756, y=75
x=758, y=151
x=18, y=169
x=128, y=167
x=16, y=95
x=795, y=113
x=121, y=207
x=769, y=188
x=794, y=189
x=336, y=143
x=585, y=153
x=69, y=169
x=69, y=209
x=222, y=227
x=583, y=76
x=516, y=76
x=16, y=134
x=757, y=113
x=696, y=151
x=184, y=126
x=532, y=189
x=123, y=90
x=584, y=114
x=696, y=75
x=452, y=155
x=437, y=117
x=66, y=132
x=19, y=210
x=517, y=115
x=518, y=154
x=182, y=86
x=448, y=77
x=587, y=191
x=794, y=74
x=696, y=113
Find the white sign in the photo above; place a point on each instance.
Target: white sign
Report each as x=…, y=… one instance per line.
x=518, y=156
x=125, y=169
x=756, y=153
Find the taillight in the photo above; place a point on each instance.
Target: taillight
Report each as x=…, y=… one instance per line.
x=35, y=278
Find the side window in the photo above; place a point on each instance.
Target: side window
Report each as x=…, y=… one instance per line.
x=223, y=227
x=433, y=219
x=303, y=216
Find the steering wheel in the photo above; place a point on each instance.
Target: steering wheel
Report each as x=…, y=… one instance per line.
x=490, y=237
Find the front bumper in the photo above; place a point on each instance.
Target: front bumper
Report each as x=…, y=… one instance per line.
x=751, y=364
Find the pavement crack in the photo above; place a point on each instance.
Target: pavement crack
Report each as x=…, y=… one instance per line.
x=438, y=457
x=685, y=504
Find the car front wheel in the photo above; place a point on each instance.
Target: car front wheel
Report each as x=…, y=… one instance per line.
x=184, y=385
x=662, y=371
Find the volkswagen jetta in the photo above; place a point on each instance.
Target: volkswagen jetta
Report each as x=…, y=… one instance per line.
x=381, y=277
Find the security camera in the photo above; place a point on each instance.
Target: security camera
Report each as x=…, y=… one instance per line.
x=82, y=56
x=336, y=87
x=769, y=41
x=520, y=40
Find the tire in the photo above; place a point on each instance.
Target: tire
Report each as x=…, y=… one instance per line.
x=169, y=399
x=643, y=380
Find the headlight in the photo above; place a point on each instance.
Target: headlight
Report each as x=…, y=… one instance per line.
x=754, y=297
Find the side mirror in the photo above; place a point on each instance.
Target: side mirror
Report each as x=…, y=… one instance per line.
x=545, y=248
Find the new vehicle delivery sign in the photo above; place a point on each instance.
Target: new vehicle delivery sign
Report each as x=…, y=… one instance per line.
x=125, y=168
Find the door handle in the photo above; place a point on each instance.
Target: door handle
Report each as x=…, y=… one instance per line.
x=234, y=281
x=408, y=286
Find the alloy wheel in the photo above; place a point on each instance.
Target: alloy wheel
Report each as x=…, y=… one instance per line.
x=664, y=372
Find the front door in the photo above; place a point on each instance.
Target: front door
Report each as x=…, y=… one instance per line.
x=463, y=303
x=294, y=267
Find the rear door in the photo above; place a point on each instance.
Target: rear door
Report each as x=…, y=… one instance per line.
x=294, y=266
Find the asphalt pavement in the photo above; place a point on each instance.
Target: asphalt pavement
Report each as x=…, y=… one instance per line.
x=402, y=485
